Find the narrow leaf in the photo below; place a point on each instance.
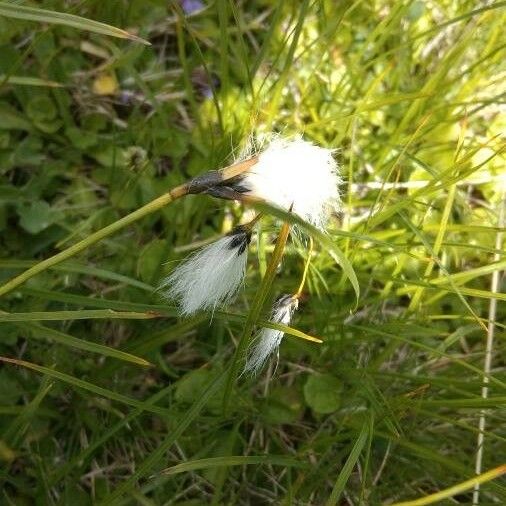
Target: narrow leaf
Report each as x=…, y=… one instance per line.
x=350, y=463
x=25, y=13
x=324, y=239
x=81, y=314
x=28, y=81
x=238, y=460
x=147, y=465
x=38, y=331
x=90, y=387
x=456, y=489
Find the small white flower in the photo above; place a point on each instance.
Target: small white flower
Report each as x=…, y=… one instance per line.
x=267, y=341
x=295, y=174
x=211, y=276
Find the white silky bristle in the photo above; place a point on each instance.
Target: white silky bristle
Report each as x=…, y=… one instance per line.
x=267, y=341
x=298, y=174
x=210, y=277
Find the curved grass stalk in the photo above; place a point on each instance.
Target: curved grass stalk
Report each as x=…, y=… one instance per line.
x=489, y=348
x=26, y=13
x=149, y=208
x=255, y=311
x=37, y=331
x=198, y=185
x=456, y=489
x=88, y=386
x=306, y=269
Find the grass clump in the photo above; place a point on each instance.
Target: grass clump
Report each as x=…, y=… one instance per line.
x=107, y=396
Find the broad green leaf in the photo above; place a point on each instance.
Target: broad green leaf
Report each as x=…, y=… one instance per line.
x=11, y=119
x=322, y=393
x=188, y=390
x=150, y=258
x=36, y=216
x=284, y=405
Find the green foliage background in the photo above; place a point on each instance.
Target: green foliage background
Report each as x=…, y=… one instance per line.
x=411, y=95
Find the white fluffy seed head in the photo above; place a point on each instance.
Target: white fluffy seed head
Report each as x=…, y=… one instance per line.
x=211, y=276
x=299, y=175
x=267, y=341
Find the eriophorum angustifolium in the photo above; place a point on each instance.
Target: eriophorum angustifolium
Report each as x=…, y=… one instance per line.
x=292, y=174
x=297, y=174
x=211, y=276
x=107, y=391
x=267, y=341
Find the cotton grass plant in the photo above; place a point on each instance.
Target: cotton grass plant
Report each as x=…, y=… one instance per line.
x=267, y=341
x=290, y=174
x=404, y=400
x=210, y=277
x=296, y=175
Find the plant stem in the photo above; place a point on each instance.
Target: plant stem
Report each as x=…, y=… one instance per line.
x=487, y=366
x=177, y=192
x=306, y=268
x=456, y=489
x=149, y=208
x=417, y=297
x=253, y=222
x=255, y=311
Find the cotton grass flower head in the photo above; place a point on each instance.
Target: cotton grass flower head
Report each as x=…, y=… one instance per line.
x=267, y=341
x=211, y=276
x=295, y=174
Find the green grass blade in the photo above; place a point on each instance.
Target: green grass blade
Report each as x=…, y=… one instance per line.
x=277, y=88
x=90, y=387
x=28, y=81
x=145, y=467
x=85, y=301
x=87, y=453
x=150, y=310
x=11, y=10
x=77, y=315
x=19, y=425
x=256, y=309
x=323, y=238
x=435, y=351
x=232, y=460
x=141, y=212
x=80, y=269
x=350, y=463
x=38, y=331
